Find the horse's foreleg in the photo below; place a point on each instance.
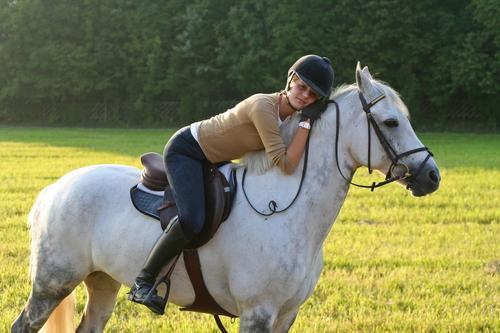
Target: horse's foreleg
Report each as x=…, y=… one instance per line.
x=259, y=319
x=101, y=297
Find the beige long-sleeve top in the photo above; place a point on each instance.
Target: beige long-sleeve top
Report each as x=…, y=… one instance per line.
x=251, y=125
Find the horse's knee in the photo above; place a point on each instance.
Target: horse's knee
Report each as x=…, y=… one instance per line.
x=258, y=320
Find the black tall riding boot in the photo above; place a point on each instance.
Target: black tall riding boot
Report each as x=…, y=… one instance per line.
x=170, y=244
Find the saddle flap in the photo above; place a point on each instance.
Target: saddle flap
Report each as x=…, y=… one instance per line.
x=218, y=203
x=168, y=209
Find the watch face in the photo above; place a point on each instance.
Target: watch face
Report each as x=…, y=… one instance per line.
x=305, y=125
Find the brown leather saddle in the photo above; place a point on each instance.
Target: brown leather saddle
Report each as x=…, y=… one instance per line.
x=219, y=195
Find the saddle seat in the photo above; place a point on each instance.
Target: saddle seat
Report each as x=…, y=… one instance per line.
x=153, y=175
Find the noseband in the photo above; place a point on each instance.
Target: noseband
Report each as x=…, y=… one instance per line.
x=391, y=152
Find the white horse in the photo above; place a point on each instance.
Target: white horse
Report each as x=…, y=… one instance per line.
x=84, y=227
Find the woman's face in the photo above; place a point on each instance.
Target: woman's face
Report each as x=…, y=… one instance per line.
x=300, y=94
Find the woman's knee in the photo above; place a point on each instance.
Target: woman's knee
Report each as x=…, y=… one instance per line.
x=192, y=225
x=169, y=149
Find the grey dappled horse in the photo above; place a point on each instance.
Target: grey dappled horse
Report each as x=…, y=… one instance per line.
x=84, y=227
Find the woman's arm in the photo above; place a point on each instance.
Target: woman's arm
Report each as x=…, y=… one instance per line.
x=295, y=149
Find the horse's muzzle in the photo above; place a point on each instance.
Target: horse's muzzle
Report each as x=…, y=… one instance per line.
x=426, y=182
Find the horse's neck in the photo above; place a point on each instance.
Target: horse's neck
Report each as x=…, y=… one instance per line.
x=324, y=190
x=324, y=187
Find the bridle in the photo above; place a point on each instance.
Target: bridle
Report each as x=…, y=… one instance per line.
x=391, y=152
x=395, y=158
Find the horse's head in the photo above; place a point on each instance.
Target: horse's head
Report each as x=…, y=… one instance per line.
x=382, y=137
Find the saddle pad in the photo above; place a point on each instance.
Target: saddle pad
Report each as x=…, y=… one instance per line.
x=146, y=201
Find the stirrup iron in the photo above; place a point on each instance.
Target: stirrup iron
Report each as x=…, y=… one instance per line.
x=160, y=308
x=153, y=293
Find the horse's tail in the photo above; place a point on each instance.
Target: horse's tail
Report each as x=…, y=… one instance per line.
x=34, y=215
x=61, y=320
x=35, y=209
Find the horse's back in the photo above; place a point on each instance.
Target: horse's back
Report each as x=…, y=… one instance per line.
x=80, y=191
x=68, y=215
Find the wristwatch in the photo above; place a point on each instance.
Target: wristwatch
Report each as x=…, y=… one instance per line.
x=305, y=124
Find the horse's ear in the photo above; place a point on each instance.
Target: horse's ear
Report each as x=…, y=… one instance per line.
x=358, y=67
x=358, y=76
x=363, y=78
x=367, y=73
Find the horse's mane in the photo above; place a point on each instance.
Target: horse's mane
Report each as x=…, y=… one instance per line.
x=258, y=162
x=381, y=86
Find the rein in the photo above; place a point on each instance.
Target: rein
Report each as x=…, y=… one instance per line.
x=391, y=152
x=272, y=205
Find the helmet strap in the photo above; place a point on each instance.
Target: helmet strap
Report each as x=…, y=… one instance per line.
x=284, y=93
x=287, y=87
x=289, y=80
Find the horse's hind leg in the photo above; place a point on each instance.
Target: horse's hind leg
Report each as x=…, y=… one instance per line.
x=53, y=278
x=40, y=305
x=101, y=297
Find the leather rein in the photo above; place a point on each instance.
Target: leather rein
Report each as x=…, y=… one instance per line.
x=391, y=175
x=272, y=205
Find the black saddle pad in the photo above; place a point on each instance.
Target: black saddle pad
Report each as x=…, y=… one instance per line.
x=148, y=203
x=145, y=202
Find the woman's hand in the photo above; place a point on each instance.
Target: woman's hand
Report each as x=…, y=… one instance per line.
x=314, y=110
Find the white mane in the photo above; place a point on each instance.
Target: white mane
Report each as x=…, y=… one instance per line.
x=258, y=162
x=383, y=87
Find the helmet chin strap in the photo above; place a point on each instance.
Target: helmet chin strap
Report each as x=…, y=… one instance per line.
x=288, y=101
x=285, y=92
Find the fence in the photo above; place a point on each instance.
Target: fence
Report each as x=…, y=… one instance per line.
x=171, y=114
x=114, y=114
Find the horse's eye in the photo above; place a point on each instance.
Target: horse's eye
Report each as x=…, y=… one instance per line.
x=391, y=122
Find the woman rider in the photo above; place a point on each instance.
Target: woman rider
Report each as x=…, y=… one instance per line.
x=252, y=124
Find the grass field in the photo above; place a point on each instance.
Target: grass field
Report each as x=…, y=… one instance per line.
x=393, y=263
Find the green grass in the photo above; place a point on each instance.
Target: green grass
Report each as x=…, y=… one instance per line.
x=393, y=263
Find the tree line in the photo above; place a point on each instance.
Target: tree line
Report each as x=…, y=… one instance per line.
x=440, y=55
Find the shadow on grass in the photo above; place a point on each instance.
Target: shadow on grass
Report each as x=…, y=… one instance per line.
x=130, y=142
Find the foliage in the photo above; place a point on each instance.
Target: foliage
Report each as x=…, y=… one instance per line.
x=393, y=263
x=439, y=54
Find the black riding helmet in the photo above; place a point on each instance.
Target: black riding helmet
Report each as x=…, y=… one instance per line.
x=315, y=71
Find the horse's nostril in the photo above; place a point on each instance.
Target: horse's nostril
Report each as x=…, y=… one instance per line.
x=433, y=176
